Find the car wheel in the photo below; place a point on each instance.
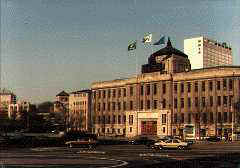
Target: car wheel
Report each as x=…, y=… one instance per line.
x=180, y=147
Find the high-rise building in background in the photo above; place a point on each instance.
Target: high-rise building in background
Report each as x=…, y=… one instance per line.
x=203, y=52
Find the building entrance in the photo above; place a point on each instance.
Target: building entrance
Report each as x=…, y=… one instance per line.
x=149, y=127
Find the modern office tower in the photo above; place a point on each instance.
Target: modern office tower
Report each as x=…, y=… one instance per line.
x=203, y=52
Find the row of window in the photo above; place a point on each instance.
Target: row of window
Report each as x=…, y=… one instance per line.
x=225, y=117
x=156, y=104
x=204, y=85
x=148, y=88
x=220, y=100
x=112, y=119
x=204, y=117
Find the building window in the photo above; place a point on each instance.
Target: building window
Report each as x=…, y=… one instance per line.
x=142, y=90
x=218, y=85
x=148, y=89
x=219, y=117
x=131, y=91
x=114, y=93
x=189, y=102
x=182, y=87
x=175, y=102
x=119, y=92
x=182, y=117
x=196, y=101
x=148, y=104
x=175, y=88
x=182, y=102
x=99, y=94
x=203, y=86
x=124, y=105
x=211, y=117
x=119, y=119
x=104, y=106
x=219, y=100
x=104, y=94
x=230, y=117
x=119, y=105
x=164, y=88
x=225, y=100
x=130, y=119
x=130, y=129
x=99, y=120
x=124, y=119
x=164, y=119
x=196, y=87
x=114, y=119
x=164, y=129
x=131, y=105
x=210, y=85
x=224, y=84
x=109, y=93
x=113, y=106
x=109, y=104
x=103, y=119
x=189, y=118
x=141, y=104
x=230, y=100
x=211, y=101
x=175, y=118
x=230, y=84
x=164, y=103
x=203, y=102
x=99, y=106
x=225, y=117
x=154, y=88
x=124, y=92
x=204, y=118
x=109, y=120
x=155, y=104
x=189, y=87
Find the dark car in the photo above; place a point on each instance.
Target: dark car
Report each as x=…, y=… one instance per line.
x=142, y=141
x=213, y=139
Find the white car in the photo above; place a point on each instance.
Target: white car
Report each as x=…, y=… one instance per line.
x=171, y=144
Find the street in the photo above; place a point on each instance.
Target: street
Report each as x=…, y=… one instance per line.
x=109, y=156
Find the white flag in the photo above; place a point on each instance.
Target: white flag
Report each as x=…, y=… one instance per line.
x=147, y=38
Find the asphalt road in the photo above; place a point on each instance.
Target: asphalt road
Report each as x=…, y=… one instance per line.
x=127, y=156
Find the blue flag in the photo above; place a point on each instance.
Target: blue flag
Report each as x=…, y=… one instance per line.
x=161, y=41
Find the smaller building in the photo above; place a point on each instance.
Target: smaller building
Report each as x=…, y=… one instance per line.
x=6, y=98
x=18, y=110
x=80, y=110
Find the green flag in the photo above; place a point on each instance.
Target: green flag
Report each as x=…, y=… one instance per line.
x=132, y=46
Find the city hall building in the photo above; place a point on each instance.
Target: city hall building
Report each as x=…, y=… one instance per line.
x=167, y=98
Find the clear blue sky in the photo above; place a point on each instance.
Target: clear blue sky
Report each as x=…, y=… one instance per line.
x=52, y=45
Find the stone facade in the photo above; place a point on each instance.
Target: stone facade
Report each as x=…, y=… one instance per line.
x=204, y=98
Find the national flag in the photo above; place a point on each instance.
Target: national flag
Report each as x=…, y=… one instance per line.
x=161, y=41
x=147, y=38
x=132, y=46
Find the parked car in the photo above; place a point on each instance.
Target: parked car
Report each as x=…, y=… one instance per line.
x=85, y=143
x=171, y=144
x=213, y=139
x=142, y=141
